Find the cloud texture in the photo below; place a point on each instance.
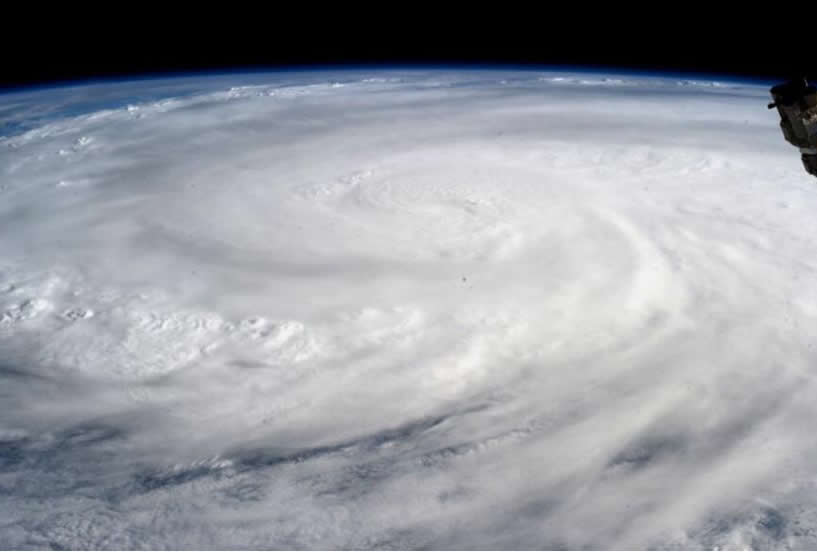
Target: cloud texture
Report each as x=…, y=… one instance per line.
x=404, y=310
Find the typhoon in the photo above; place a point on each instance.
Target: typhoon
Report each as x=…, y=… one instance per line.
x=405, y=309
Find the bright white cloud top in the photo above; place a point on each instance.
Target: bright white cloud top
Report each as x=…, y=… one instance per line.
x=405, y=309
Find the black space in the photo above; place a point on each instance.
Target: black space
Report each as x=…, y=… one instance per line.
x=132, y=45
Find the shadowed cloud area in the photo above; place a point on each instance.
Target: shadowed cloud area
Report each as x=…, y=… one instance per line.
x=405, y=309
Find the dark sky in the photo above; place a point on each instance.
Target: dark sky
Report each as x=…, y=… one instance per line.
x=132, y=44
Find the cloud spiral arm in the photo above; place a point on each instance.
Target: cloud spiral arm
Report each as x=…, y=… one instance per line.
x=427, y=309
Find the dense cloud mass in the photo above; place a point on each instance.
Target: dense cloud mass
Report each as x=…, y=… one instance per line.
x=404, y=310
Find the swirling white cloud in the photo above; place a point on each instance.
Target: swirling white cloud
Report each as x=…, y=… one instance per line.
x=405, y=309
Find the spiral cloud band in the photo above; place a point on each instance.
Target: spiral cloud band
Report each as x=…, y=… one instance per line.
x=405, y=309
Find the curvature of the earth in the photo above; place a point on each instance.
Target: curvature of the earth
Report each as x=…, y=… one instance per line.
x=405, y=309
